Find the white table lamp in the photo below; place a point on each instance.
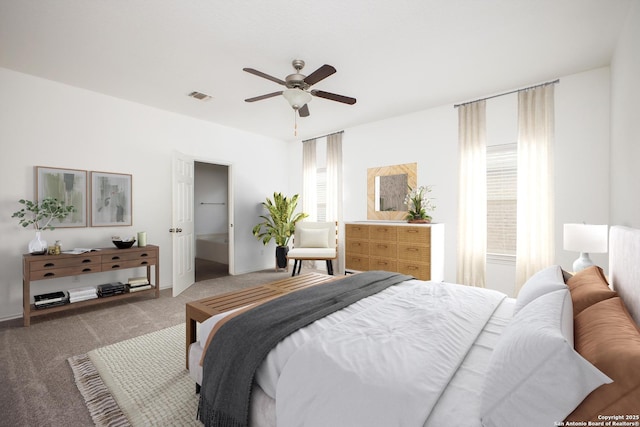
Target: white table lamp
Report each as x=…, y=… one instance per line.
x=585, y=238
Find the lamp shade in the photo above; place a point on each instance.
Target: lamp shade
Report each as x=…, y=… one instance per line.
x=588, y=238
x=297, y=98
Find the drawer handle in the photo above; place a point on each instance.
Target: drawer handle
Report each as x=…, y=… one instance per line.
x=49, y=264
x=382, y=246
x=86, y=261
x=412, y=231
x=412, y=249
x=86, y=270
x=144, y=254
x=115, y=257
x=113, y=267
x=144, y=263
x=412, y=267
x=49, y=274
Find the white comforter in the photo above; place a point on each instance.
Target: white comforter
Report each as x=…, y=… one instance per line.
x=383, y=361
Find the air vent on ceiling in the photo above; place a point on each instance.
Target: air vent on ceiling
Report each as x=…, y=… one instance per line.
x=200, y=96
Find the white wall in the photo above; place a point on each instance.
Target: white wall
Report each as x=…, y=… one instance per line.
x=44, y=123
x=625, y=124
x=430, y=138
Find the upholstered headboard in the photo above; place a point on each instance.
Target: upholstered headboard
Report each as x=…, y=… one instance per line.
x=624, y=266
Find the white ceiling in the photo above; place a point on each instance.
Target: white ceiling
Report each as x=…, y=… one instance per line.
x=395, y=57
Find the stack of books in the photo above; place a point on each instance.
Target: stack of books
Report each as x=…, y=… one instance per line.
x=82, y=294
x=50, y=300
x=136, y=284
x=111, y=289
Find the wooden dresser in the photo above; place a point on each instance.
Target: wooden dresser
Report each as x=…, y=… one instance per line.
x=413, y=249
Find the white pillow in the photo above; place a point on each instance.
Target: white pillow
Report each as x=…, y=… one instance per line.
x=544, y=281
x=312, y=238
x=535, y=377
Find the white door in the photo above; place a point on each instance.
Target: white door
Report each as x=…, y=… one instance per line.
x=184, y=272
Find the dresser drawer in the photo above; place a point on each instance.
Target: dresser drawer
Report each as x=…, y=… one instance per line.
x=417, y=235
x=356, y=231
x=357, y=262
x=74, y=261
x=383, y=232
x=357, y=247
x=383, y=249
x=139, y=262
x=413, y=252
x=385, y=264
x=421, y=271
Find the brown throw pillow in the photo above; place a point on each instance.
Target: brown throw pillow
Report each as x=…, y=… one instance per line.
x=588, y=287
x=607, y=336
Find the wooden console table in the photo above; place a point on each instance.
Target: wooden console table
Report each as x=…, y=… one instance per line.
x=202, y=309
x=41, y=267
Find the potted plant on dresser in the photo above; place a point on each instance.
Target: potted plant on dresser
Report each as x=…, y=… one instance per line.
x=40, y=216
x=279, y=224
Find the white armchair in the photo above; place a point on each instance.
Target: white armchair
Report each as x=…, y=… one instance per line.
x=317, y=241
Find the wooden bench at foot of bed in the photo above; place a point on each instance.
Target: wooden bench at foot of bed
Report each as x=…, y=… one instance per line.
x=202, y=309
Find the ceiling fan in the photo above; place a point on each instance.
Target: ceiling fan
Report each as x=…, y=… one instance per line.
x=297, y=85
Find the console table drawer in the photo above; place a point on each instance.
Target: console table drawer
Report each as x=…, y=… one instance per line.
x=75, y=261
x=132, y=263
x=65, y=271
x=127, y=256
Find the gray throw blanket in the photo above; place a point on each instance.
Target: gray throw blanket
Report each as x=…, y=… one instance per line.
x=240, y=345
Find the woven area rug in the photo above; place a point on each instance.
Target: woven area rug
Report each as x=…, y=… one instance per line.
x=138, y=382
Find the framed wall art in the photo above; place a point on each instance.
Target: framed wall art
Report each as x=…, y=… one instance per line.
x=111, y=199
x=67, y=185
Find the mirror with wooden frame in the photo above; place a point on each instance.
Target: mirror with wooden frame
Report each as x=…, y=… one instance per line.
x=387, y=187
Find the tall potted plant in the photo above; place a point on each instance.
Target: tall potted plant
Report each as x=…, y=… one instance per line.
x=40, y=216
x=279, y=224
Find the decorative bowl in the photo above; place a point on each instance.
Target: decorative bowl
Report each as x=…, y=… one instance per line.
x=123, y=244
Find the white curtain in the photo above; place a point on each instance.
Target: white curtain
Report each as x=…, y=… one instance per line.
x=472, y=194
x=309, y=175
x=334, y=192
x=535, y=239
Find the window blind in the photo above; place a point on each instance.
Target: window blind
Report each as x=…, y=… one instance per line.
x=502, y=174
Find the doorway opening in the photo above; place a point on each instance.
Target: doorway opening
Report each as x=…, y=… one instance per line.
x=211, y=220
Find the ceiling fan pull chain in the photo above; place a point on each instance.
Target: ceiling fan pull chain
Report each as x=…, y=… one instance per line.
x=295, y=123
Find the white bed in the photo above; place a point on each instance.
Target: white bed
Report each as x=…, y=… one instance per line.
x=490, y=372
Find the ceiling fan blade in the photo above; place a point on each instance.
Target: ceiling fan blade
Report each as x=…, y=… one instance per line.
x=319, y=74
x=265, y=76
x=334, y=97
x=258, y=98
x=304, y=111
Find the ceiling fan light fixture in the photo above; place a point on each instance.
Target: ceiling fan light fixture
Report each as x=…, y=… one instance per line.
x=297, y=98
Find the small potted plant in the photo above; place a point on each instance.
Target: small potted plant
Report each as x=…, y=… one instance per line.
x=419, y=203
x=279, y=225
x=40, y=216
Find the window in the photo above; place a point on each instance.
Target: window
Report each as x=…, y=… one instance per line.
x=502, y=173
x=321, y=194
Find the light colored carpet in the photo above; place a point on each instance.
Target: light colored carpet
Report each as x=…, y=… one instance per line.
x=145, y=376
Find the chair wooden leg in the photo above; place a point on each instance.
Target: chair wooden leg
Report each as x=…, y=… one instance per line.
x=299, y=266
